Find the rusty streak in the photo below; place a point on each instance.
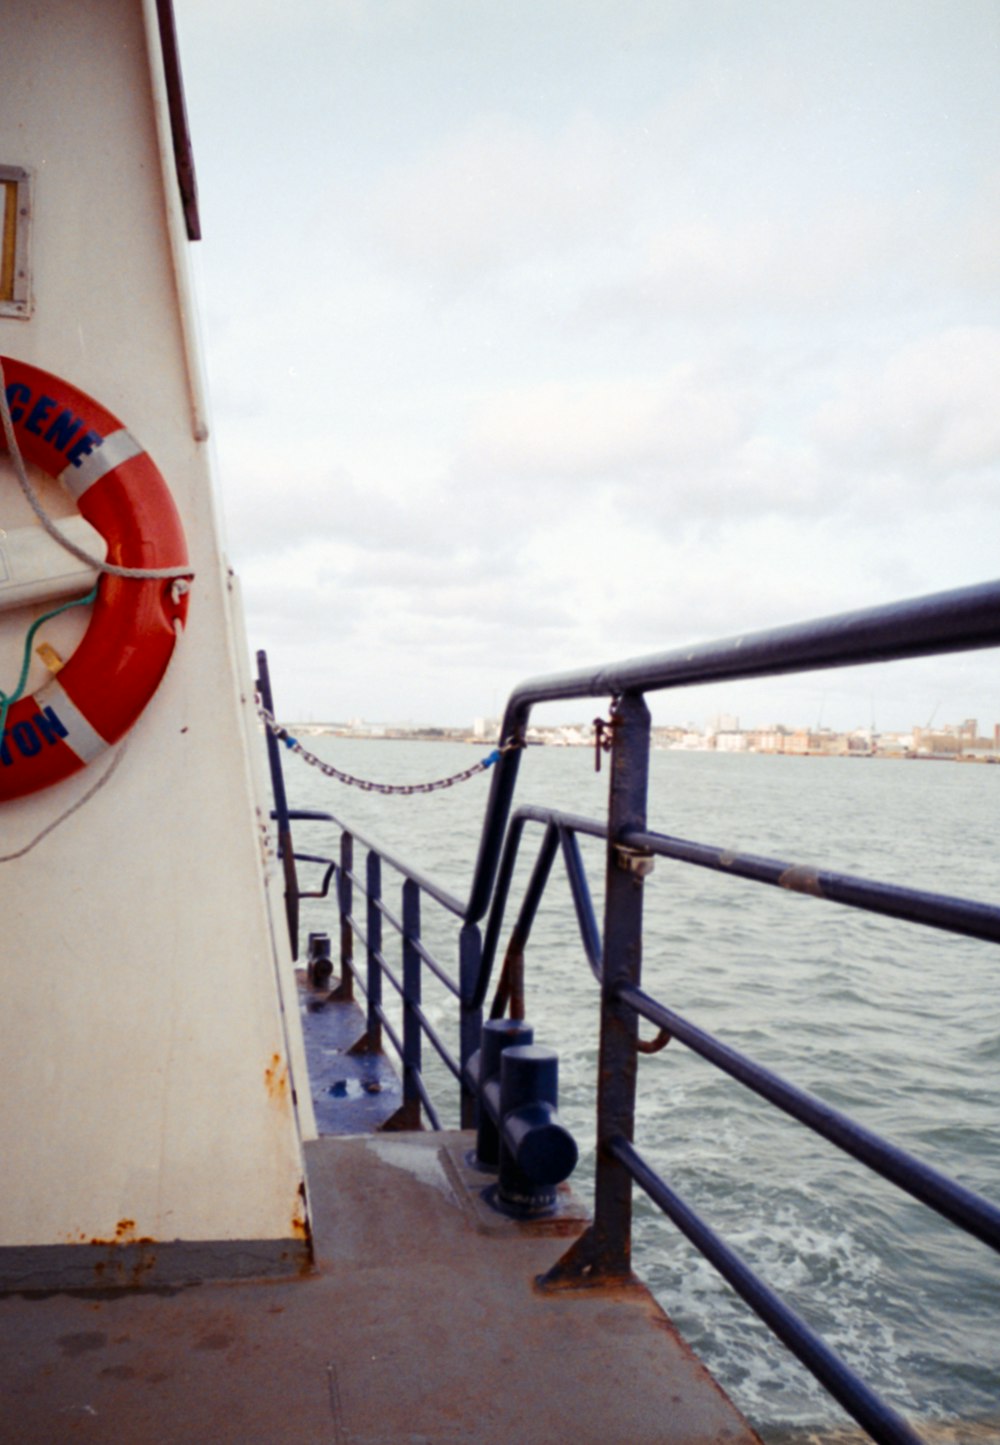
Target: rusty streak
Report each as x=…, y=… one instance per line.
x=801, y=880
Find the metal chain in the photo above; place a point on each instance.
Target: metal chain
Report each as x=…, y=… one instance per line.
x=405, y=789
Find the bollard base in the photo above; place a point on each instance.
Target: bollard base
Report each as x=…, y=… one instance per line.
x=541, y=1205
x=469, y=1188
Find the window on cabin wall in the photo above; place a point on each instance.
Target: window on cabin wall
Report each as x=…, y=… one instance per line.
x=15, y=217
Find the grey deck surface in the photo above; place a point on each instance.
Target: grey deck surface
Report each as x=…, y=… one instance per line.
x=419, y=1325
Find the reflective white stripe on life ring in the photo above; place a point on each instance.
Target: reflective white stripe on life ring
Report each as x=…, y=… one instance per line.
x=81, y=736
x=120, y=446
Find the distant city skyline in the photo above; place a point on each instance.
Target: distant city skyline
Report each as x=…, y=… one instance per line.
x=969, y=732
x=833, y=714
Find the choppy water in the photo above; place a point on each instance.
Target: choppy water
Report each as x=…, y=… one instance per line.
x=900, y=1026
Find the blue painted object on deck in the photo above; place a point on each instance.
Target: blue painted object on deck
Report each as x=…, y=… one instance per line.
x=536, y=1151
x=498, y=1035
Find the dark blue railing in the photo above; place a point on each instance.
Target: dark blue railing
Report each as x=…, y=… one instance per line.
x=407, y=925
x=947, y=622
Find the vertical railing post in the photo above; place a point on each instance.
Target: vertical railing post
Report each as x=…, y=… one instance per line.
x=412, y=1062
x=470, y=953
x=622, y=956
x=605, y=1250
x=344, y=992
x=286, y=850
x=407, y=1116
x=373, y=884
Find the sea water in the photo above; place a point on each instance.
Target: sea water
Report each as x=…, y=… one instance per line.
x=897, y=1025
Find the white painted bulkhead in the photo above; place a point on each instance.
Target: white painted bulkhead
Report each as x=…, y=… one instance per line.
x=148, y=1072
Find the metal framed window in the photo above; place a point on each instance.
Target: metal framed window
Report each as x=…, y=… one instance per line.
x=15, y=221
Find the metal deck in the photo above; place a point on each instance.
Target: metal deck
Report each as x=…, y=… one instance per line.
x=420, y=1324
x=352, y=1093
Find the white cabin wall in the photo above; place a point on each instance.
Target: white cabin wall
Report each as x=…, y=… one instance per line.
x=144, y=1047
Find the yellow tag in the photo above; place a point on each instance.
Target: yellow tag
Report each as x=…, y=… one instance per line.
x=49, y=656
x=8, y=238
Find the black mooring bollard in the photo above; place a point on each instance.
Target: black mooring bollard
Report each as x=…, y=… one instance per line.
x=536, y=1151
x=484, y=1068
x=319, y=960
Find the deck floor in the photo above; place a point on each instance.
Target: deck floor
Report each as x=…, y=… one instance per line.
x=352, y=1092
x=420, y=1324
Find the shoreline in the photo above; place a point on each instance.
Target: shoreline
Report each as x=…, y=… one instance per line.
x=395, y=735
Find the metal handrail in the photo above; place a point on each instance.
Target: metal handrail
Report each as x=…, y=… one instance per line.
x=960, y=620
x=426, y=885
x=948, y=622
x=976, y=1215
x=881, y=1422
x=943, y=622
x=912, y=905
x=369, y=980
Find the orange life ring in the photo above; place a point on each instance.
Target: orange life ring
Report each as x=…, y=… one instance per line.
x=102, y=689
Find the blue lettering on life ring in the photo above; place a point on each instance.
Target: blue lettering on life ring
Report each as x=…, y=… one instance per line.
x=28, y=737
x=63, y=430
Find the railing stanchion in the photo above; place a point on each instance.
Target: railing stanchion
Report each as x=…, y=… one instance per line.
x=344, y=992
x=286, y=849
x=373, y=884
x=412, y=1062
x=470, y=952
x=605, y=1250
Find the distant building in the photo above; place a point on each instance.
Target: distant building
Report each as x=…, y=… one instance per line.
x=769, y=740
x=731, y=742
x=692, y=741
x=571, y=737
x=805, y=740
x=667, y=737
x=936, y=743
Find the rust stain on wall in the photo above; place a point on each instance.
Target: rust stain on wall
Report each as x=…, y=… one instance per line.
x=126, y=1259
x=125, y=1233
x=301, y=1228
x=276, y=1079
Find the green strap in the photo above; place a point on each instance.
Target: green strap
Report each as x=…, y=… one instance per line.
x=7, y=699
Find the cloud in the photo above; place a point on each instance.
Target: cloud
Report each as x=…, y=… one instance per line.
x=688, y=449
x=633, y=426
x=498, y=194
x=930, y=407
x=768, y=263
x=422, y=528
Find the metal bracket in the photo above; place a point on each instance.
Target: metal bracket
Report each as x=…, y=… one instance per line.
x=634, y=860
x=653, y=1046
x=604, y=733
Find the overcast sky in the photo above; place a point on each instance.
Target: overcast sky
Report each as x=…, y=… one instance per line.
x=544, y=332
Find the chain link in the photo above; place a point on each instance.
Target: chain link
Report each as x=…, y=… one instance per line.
x=406, y=789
